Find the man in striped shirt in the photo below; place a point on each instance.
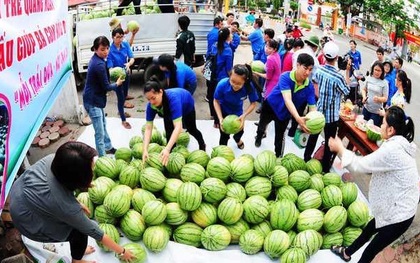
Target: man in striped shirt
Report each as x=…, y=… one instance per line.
x=332, y=85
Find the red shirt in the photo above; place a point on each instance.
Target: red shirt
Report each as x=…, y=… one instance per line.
x=297, y=33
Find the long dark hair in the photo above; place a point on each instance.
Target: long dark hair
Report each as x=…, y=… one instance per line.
x=403, y=125
x=245, y=71
x=224, y=34
x=380, y=65
x=406, y=83
x=154, y=85
x=167, y=61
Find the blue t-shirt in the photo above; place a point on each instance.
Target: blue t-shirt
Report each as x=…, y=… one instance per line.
x=257, y=40
x=261, y=55
x=390, y=77
x=236, y=40
x=224, y=61
x=118, y=57
x=232, y=101
x=184, y=75
x=300, y=95
x=180, y=103
x=357, y=59
x=212, y=37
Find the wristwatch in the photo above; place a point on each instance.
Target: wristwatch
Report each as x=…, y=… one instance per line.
x=122, y=253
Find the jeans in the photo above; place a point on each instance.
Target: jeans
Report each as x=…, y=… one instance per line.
x=377, y=119
x=122, y=93
x=102, y=140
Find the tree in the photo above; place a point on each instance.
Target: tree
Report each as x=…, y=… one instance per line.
x=277, y=4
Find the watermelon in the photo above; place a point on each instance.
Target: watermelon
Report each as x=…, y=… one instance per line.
x=171, y=188
x=124, y=190
x=287, y=192
x=230, y=210
x=215, y=237
x=331, y=178
x=156, y=137
x=200, y=157
x=175, y=215
x=283, y=215
x=152, y=179
x=350, y=234
x=350, y=192
x=280, y=176
x=120, y=165
x=132, y=225
x=166, y=227
x=193, y=172
x=292, y=162
x=315, y=122
x=264, y=228
x=265, y=163
x=256, y=209
x=117, y=72
x=258, y=185
x=117, y=204
x=137, y=150
x=183, y=139
x=188, y=234
x=138, y=164
x=242, y=168
x=331, y=196
x=313, y=166
x=258, y=66
x=293, y=255
x=106, y=166
x=84, y=199
x=231, y=124
x=292, y=234
x=219, y=167
x=138, y=252
x=175, y=163
x=213, y=189
x=154, y=212
x=251, y=242
x=373, y=132
x=237, y=229
x=275, y=243
x=223, y=151
x=154, y=160
x=335, y=219
x=310, y=219
x=358, y=213
x=308, y=241
x=123, y=154
x=111, y=231
x=141, y=197
x=101, y=216
x=236, y=190
x=205, y=215
x=154, y=148
x=189, y=196
x=247, y=155
x=155, y=238
x=182, y=150
x=130, y=176
x=309, y=199
x=333, y=239
x=316, y=182
x=134, y=140
x=300, y=180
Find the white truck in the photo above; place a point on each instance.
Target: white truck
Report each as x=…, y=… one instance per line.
x=157, y=34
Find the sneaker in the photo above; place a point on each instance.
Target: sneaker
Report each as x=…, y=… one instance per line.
x=257, y=142
x=111, y=151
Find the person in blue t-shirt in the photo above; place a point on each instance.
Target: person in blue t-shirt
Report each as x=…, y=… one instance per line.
x=229, y=99
x=121, y=55
x=176, y=107
x=213, y=35
x=356, y=56
x=293, y=90
x=178, y=74
x=256, y=38
x=236, y=38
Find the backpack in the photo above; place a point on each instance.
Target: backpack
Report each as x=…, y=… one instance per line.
x=210, y=68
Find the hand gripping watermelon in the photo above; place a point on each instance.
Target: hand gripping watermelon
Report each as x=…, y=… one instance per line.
x=117, y=72
x=258, y=66
x=315, y=121
x=133, y=25
x=373, y=132
x=138, y=251
x=231, y=124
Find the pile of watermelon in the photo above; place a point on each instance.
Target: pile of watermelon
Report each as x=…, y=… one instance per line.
x=282, y=206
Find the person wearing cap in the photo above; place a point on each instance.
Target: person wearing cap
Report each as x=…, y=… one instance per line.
x=185, y=42
x=124, y=4
x=256, y=38
x=332, y=85
x=116, y=23
x=296, y=31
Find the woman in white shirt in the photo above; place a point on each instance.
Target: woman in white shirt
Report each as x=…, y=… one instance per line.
x=394, y=188
x=403, y=94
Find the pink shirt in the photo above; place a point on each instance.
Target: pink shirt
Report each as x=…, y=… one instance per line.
x=273, y=71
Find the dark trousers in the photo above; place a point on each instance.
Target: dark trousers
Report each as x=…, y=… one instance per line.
x=384, y=237
x=122, y=93
x=125, y=3
x=168, y=6
x=267, y=115
x=330, y=130
x=78, y=244
x=189, y=122
x=294, y=125
x=377, y=119
x=211, y=87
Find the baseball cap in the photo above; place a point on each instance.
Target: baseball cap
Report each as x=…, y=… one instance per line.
x=331, y=50
x=114, y=23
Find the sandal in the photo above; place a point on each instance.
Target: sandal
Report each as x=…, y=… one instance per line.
x=240, y=145
x=126, y=125
x=127, y=115
x=128, y=105
x=129, y=97
x=339, y=251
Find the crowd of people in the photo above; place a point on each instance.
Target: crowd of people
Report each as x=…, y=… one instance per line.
x=299, y=76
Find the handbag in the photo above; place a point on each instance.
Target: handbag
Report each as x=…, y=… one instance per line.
x=319, y=153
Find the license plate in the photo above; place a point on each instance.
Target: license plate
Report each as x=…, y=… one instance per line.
x=140, y=48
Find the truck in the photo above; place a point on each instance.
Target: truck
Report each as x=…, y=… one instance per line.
x=157, y=35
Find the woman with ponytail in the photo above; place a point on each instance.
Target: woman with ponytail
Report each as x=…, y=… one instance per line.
x=229, y=99
x=403, y=94
x=394, y=188
x=176, y=107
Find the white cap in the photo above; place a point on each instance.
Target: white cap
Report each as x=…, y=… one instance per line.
x=331, y=50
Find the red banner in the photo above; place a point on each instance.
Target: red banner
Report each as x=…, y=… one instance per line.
x=412, y=38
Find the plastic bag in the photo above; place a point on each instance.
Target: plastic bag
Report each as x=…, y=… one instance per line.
x=48, y=252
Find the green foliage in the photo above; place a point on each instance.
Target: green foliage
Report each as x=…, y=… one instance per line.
x=303, y=24
x=277, y=4
x=294, y=5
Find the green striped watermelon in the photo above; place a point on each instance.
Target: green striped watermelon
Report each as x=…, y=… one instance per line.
x=134, y=140
x=293, y=255
x=130, y=176
x=236, y=190
x=171, y=188
x=287, y=192
x=258, y=185
x=283, y=215
x=137, y=150
x=183, y=139
x=317, y=183
x=124, y=190
x=331, y=196
x=189, y=196
x=123, y=154
x=308, y=241
x=111, y=231
x=230, y=210
x=152, y=179
x=155, y=238
x=138, y=164
x=121, y=164
x=193, y=172
x=84, y=199
x=101, y=216
x=275, y=243
x=231, y=124
x=331, y=178
x=106, y=166
x=200, y=157
x=205, y=215
x=215, y=237
x=313, y=166
x=154, y=212
x=188, y=234
x=293, y=163
x=309, y=199
x=175, y=215
x=333, y=239
x=315, y=122
x=264, y=228
x=167, y=227
x=219, y=167
x=264, y=163
x=117, y=204
x=156, y=137
x=154, y=160
x=242, y=169
x=350, y=192
x=182, y=150
x=175, y=163
x=247, y=155
x=292, y=234
x=132, y=225
x=256, y=209
x=280, y=176
x=251, y=242
x=300, y=180
x=223, y=151
x=310, y=219
x=141, y=197
x=138, y=252
x=213, y=190
x=358, y=213
x=237, y=229
x=335, y=219
x=350, y=234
